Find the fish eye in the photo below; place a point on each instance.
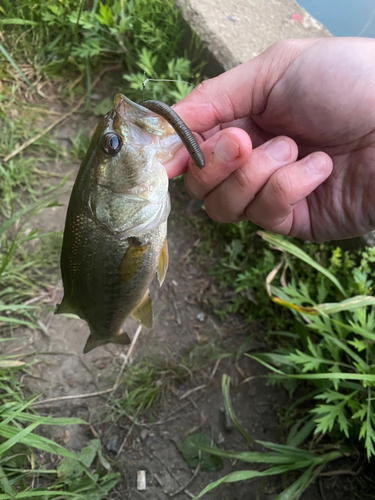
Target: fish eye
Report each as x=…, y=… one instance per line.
x=112, y=143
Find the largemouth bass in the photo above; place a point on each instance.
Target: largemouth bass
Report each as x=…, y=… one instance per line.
x=116, y=225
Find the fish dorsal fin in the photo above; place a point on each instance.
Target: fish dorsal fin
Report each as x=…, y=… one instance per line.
x=163, y=262
x=131, y=262
x=92, y=343
x=143, y=312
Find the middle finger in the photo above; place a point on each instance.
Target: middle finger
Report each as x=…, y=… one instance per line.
x=228, y=201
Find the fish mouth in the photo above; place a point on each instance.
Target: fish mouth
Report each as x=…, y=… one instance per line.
x=122, y=103
x=125, y=110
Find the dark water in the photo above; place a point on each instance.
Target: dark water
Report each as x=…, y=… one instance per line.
x=344, y=17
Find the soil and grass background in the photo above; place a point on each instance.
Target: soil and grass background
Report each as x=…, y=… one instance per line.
x=257, y=378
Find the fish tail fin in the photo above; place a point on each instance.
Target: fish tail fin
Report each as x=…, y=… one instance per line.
x=65, y=307
x=120, y=338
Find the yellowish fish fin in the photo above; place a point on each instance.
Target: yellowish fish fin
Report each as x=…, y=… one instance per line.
x=163, y=262
x=65, y=307
x=131, y=263
x=92, y=343
x=143, y=312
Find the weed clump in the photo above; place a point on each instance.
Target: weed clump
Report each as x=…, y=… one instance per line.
x=69, y=40
x=320, y=323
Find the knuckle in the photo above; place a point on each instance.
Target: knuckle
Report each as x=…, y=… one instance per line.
x=281, y=185
x=206, y=92
x=196, y=183
x=253, y=216
x=204, y=88
x=222, y=214
x=244, y=178
x=280, y=45
x=215, y=214
x=285, y=45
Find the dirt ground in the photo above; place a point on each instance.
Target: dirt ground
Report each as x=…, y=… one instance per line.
x=182, y=323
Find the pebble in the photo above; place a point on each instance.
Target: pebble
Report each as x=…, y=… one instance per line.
x=201, y=316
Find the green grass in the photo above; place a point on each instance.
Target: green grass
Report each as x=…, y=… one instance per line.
x=25, y=456
x=69, y=40
x=21, y=268
x=241, y=261
x=20, y=176
x=280, y=459
x=320, y=328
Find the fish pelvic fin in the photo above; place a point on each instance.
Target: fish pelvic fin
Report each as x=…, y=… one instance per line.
x=131, y=262
x=143, y=312
x=121, y=338
x=65, y=307
x=163, y=262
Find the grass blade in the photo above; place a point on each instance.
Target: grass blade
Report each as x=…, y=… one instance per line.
x=285, y=245
x=230, y=411
x=5, y=484
x=10, y=363
x=16, y=67
x=19, y=436
x=346, y=305
x=298, y=487
x=6, y=320
x=244, y=475
x=38, y=442
x=21, y=22
x=258, y=457
x=41, y=494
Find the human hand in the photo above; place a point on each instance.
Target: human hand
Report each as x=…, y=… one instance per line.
x=289, y=140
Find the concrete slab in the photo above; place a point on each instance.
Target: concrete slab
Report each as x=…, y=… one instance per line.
x=236, y=31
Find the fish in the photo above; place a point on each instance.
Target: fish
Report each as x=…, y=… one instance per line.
x=115, y=236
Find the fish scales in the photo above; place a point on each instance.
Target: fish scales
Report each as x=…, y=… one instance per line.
x=116, y=226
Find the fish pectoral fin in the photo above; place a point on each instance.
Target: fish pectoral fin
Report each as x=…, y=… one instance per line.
x=122, y=339
x=163, y=262
x=143, y=312
x=131, y=262
x=65, y=307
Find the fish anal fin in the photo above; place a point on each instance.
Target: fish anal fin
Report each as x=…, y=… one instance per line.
x=65, y=307
x=143, y=312
x=131, y=262
x=92, y=342
x=163, y=262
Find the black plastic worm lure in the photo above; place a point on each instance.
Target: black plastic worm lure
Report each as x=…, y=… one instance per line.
x=180, y=127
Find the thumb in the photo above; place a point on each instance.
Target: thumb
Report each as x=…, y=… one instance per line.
x=241, y=91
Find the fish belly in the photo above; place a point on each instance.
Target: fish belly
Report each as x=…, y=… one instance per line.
x=90, y=263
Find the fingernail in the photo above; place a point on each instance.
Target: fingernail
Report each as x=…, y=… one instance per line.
x=278, y=149
x=227, y=149
x=316, y=164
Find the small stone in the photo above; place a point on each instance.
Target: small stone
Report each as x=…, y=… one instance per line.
x=144, y=434
x=201, y=316
x=234, y=19
x=220, y=438
x=113, y=444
